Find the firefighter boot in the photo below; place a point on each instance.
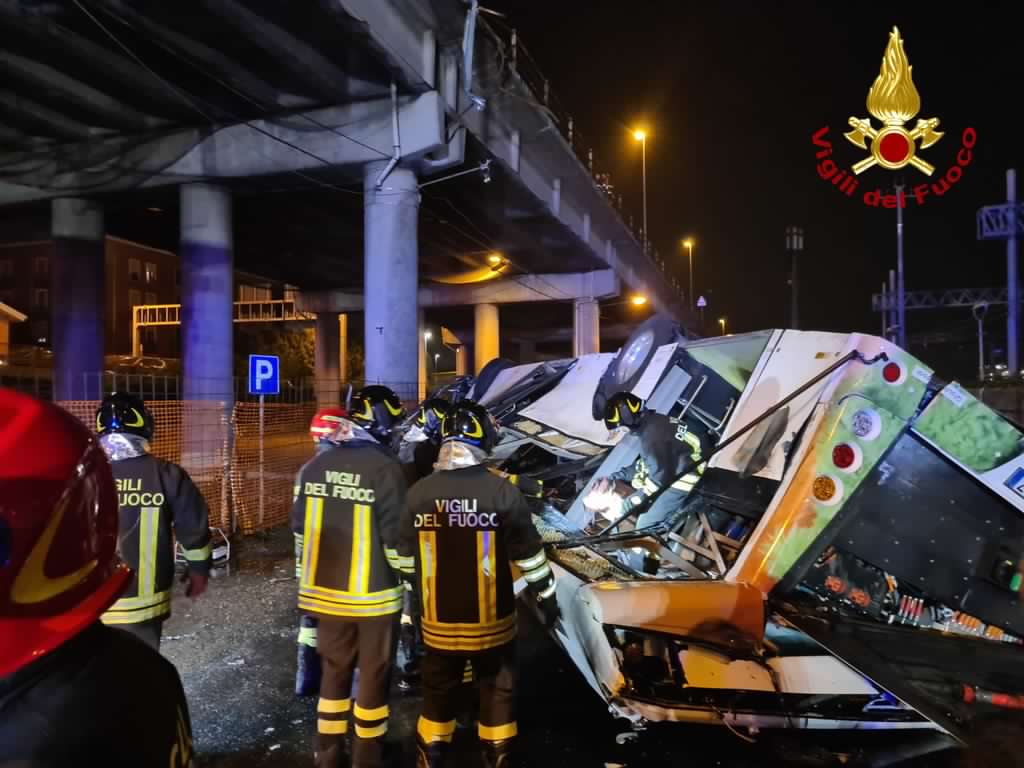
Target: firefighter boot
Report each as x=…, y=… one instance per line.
x=498, y=754
x=430, y=755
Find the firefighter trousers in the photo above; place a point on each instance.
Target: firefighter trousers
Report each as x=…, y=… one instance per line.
x=443, y=677
x=343, y=645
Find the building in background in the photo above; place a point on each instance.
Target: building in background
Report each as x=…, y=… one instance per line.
x=135, y=274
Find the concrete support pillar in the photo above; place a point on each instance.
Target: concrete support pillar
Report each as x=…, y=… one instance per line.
x=77, y=299
x=486, y=335
x=327, y=359
x=421, y=377
x=461, y=360
x=207, y=348
x=390, y=267
x=586, y=327
x=343, y=347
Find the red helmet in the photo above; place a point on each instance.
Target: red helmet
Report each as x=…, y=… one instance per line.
x=326, y=422
x=59, y=569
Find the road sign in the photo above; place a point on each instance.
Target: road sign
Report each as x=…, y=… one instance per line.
x=264, y=375
x=702, y=302
x=999, y=222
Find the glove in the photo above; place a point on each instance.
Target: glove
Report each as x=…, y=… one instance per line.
x=550, y=611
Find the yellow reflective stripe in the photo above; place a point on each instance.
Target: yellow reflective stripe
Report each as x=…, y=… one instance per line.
x=315, y=605
x=307, y=636
x=548, y=591
x=469, y=628
x=132, y=603
x=532, y=562
x=338, y=596
x=428, y=550
x=431, y=730
x=359, y=570
x=135, y=616
x=486, y=579
x=333, y=706
x=377, y=713
x=467, y=644
x=198, y=555
x=149, y=528
x=332, y=727
x=407, y=564
x=392, y=555
x=649, y=487
x=538, y=573
x=497, y=732
x=686, y=483
x=295, y=492
x=311, y=539
x=374, y=732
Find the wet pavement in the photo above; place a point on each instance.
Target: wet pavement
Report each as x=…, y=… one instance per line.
x=235, y=649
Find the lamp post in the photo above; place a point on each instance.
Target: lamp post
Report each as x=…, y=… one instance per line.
x=721, y=322
x=688, y=243
x=979, y=311
x=641, y=136
x=794, y=245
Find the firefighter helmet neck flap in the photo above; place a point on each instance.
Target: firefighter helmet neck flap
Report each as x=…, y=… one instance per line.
x=59, y=569
x=623, y=409
x=378, y=410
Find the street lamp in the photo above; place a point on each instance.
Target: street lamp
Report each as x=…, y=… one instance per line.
x=794, y=245
x=688, y=244
x=639, y=300
x=437, y=356
x=641, y=136
x=721, y=322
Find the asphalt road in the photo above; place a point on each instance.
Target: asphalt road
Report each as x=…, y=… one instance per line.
x=235, y=649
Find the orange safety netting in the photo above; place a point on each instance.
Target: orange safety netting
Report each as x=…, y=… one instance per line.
x=286, y=447
x=200, y=446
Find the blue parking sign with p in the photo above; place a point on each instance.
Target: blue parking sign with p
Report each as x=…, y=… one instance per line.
x=264, y=375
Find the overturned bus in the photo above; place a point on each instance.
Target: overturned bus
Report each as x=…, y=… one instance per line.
x=849, y=558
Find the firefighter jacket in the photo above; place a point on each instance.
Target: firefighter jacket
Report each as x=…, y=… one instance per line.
x=667, y=446
x=103, y=698
x=157, y=503
x=345, y=520
x=461, y=528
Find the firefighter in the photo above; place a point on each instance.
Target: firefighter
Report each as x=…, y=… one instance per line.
x=325, y=423
x=346, y=512
x=667, y=446
x=158, y=504
x=72, y=691
x=422, y=441
x=462, y=526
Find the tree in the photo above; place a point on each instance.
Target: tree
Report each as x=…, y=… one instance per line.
x=295, y=347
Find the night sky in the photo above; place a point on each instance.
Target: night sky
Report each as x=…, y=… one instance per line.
x=731, y=94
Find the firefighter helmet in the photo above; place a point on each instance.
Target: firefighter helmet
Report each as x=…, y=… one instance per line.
x=471, y=423
x=325, y=423
x=430, y=414
x=623, y=409
x=377, y=409
x=124, y=412
x=59, y=569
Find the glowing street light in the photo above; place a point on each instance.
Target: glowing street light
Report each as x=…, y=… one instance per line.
x=688, y=244
x=721, y=322
x=639, y=300
x=427, y=335
x=641, y=136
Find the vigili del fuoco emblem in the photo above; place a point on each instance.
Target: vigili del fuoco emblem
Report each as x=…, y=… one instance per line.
x=894, y=101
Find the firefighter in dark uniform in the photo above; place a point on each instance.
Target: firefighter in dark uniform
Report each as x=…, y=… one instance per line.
x=324, y=423
x=72, y=691
x=462, y=527
x=158, y=504
x=347, y=512
x=667, y=446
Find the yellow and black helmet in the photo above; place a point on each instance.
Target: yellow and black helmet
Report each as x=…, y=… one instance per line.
x=471, y=423
x=377, y=409
x=124, y=412
x=429, y=416
x=623, y=409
